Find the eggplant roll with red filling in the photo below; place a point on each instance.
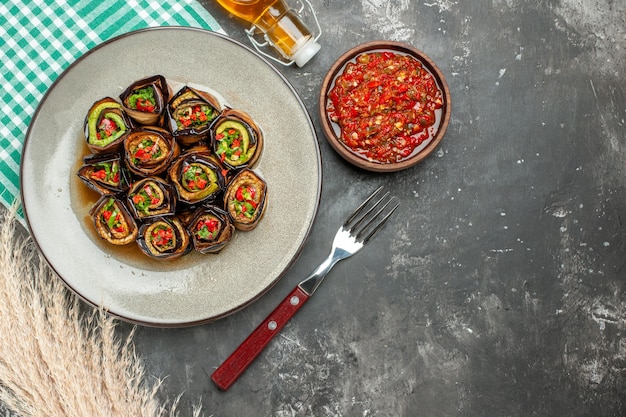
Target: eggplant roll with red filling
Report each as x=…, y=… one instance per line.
x=151, y=197
x=113, y=222
x=245, y=199
x=145, y=100
x=106, y=126
x=237, y=139
x=105, y=173
x=191, y=113
x=211, y=229
x=150, y=150
x=164, y=238
x=196, y=178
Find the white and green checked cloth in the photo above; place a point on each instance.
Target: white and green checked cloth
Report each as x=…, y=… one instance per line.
x=41, y=38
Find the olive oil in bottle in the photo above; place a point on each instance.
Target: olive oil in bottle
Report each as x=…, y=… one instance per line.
x=282, y=27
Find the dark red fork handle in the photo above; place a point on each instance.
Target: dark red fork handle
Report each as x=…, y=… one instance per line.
x=228, y=372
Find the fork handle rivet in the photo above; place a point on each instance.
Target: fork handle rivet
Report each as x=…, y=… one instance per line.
x=295, y=300
x=272, y=325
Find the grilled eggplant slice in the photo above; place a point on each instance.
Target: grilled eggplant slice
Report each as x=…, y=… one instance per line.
x=105, y=173
x=145, y=100
x=151, y=197
x=164, y=238
x=150, y=150
x=245, y=199
x=191, y=113
x=210, y=229
x=237, y=140
x=196, y=178
x=113, y=222
x=106, y=126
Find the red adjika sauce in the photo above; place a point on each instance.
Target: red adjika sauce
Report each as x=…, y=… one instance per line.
x=385, y=105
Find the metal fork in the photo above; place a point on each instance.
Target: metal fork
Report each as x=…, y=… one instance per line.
x=353, y=234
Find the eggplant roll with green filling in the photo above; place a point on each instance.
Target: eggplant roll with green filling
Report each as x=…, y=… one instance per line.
x=106, y=126
x=145, y=100
x=211, y=229
x=191, y=113
x=151, y=197
x=150, y=150
x=105, y=173
x=245, y=199
x=196, y=178
x=113, y=222
x=206, y=152
x=164, y=238
x=237, y=140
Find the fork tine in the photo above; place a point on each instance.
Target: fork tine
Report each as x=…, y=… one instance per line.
x=380, y=223
x=368, y=214
x=360, y=208
x=369, y=224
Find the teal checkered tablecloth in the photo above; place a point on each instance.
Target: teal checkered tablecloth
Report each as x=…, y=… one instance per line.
x=41, y=38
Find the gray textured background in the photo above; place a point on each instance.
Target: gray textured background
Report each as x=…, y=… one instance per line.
x=498, y=288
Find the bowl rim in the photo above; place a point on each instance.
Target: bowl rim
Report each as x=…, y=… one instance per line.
x=333, y=72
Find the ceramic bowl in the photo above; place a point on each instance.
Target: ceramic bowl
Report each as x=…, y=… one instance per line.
x=332, y=129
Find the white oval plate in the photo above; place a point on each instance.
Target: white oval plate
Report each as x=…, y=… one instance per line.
x=196, y=288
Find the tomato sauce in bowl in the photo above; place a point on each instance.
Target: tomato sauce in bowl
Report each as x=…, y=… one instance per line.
x=384, y=108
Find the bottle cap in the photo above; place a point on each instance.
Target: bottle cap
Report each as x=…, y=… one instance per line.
x=306, y=52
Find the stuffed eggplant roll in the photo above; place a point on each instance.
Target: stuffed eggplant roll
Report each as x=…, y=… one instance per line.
x=207, y=153
x=191, y=113
x=151, y=197
x=104, y=173
x=164, y=238
x=145, y=100
x=237, y=140
x=211, y=229
x=113, y=222
x=106, y=125
x=245, y=199
x=196, y=178
x=150, y=150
